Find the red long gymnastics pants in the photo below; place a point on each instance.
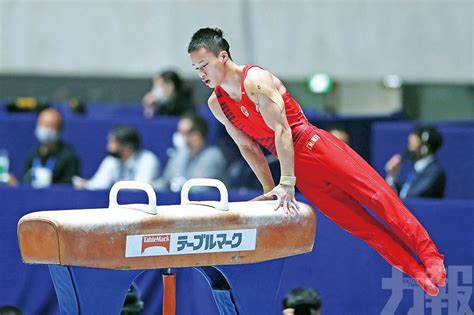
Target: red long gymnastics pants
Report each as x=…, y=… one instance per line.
x=337, y=181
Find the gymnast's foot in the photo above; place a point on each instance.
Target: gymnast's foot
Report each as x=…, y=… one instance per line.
x=436, y=271
x=426, y=284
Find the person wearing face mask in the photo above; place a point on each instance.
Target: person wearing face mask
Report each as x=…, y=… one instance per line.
x=191, y=157
x=169, y=96
x=427, y=178
x=125, y=161
x=53, y=162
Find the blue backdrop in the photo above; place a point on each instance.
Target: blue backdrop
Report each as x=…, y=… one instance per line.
x=346, y=272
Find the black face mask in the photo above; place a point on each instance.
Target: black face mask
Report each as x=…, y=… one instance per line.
x=114, y=154
x=413, y=155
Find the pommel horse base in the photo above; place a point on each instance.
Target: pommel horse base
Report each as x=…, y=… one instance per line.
x=95, y=254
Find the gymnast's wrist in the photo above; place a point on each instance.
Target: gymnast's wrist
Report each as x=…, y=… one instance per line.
x=287, y=180
x=268, y=188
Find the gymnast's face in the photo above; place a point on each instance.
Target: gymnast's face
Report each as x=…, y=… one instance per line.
x=209, y=67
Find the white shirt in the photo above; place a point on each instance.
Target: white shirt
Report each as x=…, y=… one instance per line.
x=143, y=166
x=208, y=163
x=421, y=164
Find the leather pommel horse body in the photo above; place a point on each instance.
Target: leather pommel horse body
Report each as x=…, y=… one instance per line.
x=139, y=236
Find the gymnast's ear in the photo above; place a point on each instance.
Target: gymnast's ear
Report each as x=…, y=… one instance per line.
x=224, y=56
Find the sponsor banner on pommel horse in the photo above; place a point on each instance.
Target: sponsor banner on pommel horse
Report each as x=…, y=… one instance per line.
x=147, y=236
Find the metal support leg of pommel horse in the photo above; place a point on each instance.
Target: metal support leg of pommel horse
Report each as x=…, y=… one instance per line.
x=82, y=290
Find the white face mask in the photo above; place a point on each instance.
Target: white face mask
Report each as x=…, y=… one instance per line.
x=179, y=141
x=46, y=135
x=159, y=94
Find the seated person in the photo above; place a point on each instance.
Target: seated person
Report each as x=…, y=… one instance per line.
x=53, y=162
x=427, y=178
x=169, y=96
x=302, y=301
x=240, y=176
x=126, y=161
x=192, y=157
x=341, y=133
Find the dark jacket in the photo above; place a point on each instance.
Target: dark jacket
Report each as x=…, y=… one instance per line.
x=429, y=183
x=65, y=167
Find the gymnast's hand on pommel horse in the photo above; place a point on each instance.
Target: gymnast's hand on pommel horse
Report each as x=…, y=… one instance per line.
x=95, y=254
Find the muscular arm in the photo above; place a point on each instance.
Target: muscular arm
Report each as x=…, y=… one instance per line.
x=263, y=92
x=249, y=149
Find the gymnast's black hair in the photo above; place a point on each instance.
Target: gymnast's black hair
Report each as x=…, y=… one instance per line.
x=211, y=39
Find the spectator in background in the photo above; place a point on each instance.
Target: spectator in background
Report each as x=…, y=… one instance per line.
x=302, y=301
x=341, y=133
x=53, y=162
x=169, y=96
x=427, y=178
x=133, y=304
x=126, y=161
x=191, y=157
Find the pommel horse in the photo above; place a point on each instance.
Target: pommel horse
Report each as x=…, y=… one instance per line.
x=95, y=254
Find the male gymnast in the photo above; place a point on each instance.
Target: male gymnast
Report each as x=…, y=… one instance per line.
x=256, y=108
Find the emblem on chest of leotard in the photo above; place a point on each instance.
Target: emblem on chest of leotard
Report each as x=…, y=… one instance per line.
x=244, y=111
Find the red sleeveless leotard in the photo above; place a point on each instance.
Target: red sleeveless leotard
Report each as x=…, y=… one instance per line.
x=337, y=180
x=245, y=116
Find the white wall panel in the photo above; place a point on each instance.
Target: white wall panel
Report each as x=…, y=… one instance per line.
x=429, y=40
